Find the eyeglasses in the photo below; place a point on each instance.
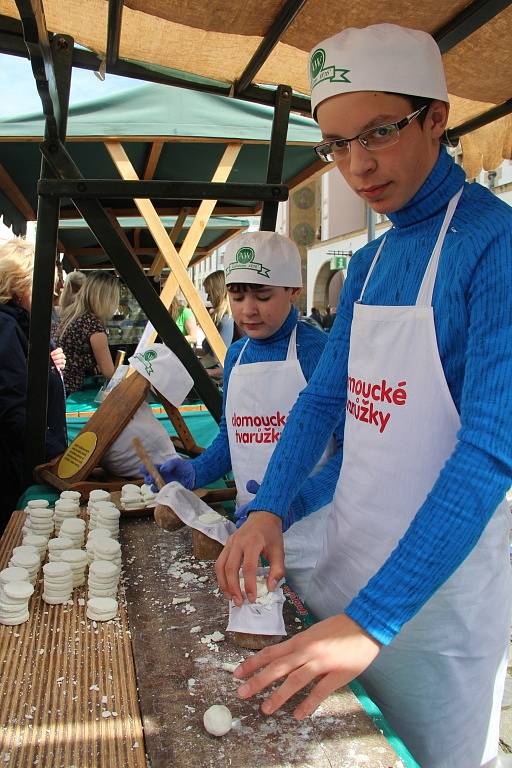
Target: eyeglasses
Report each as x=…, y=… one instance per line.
x=381, y=137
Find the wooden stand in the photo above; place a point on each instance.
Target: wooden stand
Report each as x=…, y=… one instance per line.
x=78, y=468
x=205, y=548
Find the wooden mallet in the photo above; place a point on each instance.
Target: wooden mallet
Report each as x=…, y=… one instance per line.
x=164, y=516
x=147, y=461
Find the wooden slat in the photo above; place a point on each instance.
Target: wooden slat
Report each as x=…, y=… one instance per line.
x=49, y=715
x=169, y=252
x=15, y=195
x=159, y=262
x=154, y=157
x=205, y=210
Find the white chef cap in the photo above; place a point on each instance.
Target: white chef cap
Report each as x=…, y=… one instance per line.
x=382, y=57
x=263, y=258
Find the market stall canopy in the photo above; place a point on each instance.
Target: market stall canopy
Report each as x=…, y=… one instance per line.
x=83, y=252
x=226, y=46
x=188, y=129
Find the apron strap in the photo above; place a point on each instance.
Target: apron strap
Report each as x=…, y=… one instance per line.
x=292, y=345
x=372, y=267
x=237, y=363
x=429, y=278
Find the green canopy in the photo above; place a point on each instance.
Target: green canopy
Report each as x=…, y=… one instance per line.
x=81, y=246
x=194, y=128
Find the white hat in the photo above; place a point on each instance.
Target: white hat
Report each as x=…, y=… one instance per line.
x=382, y=57
x=263, y=258
x=164, y=371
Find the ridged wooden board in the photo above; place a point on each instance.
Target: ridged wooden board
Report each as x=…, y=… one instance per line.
x=49, y=716
x=180, y=675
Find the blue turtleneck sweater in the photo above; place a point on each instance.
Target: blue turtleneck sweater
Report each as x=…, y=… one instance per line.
x=472, y=304
x=317, y=490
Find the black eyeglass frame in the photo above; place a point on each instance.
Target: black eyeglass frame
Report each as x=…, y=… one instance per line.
x=327, y=147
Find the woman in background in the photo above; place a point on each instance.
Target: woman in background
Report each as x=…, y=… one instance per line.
x=72, y=284
x=16, y=268
x=82, y=332
x=220, y=311
x=185, y=320
x=65, y=296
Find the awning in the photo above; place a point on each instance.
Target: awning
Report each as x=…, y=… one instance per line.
x=217, y=40
x=189, y=130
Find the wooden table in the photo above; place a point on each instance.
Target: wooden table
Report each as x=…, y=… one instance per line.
x=49, y=715
x=61, y=675
x=180, y=677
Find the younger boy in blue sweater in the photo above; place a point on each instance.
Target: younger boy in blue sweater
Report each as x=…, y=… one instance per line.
x=263, y=376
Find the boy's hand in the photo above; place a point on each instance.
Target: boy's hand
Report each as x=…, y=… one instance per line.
x=261, y=534
x=334, y=651
x=172, y=470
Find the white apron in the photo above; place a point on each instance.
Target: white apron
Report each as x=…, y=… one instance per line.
x=259, y=399
x=439, y=683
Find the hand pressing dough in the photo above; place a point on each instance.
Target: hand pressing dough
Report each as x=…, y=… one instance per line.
x=217, y=720
x=261, y=587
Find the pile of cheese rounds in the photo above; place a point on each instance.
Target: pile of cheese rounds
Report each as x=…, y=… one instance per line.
x=137, y=497
x=60, y=534
x=15, y=593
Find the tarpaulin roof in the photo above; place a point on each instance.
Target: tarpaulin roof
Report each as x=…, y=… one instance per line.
x=216, y=40
x=194, y=127
x=81, y=245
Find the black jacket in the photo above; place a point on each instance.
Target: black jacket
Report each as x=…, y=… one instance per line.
x=14, y=329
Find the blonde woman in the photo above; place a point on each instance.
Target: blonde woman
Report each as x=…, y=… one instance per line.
x=72, y=284
x=16, y=268
x=65, y=296
x=82, y=332
x=217, y=295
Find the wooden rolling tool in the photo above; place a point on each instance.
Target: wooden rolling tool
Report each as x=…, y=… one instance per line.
x=164, y=516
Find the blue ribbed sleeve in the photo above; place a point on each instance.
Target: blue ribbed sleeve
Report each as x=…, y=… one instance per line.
x=473, y=317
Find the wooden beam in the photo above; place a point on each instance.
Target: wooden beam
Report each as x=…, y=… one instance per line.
x=72, y=259
x=159, y=262
x=201, y=220
x=311, y=173
x=253, y=210
x=123, y=236
x=16, y=196
x=180, y=275
x=115, y=15
x=153, y=158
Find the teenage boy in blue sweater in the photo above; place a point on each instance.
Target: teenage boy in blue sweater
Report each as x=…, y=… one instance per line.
x=263, y=375
x=413, y=584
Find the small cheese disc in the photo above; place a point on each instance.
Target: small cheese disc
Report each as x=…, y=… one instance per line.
x=218, y=720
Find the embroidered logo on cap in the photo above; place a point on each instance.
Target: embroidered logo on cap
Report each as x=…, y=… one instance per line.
x=319, y=72
x=146, y=358
x=244, y=259
x=245, y=255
